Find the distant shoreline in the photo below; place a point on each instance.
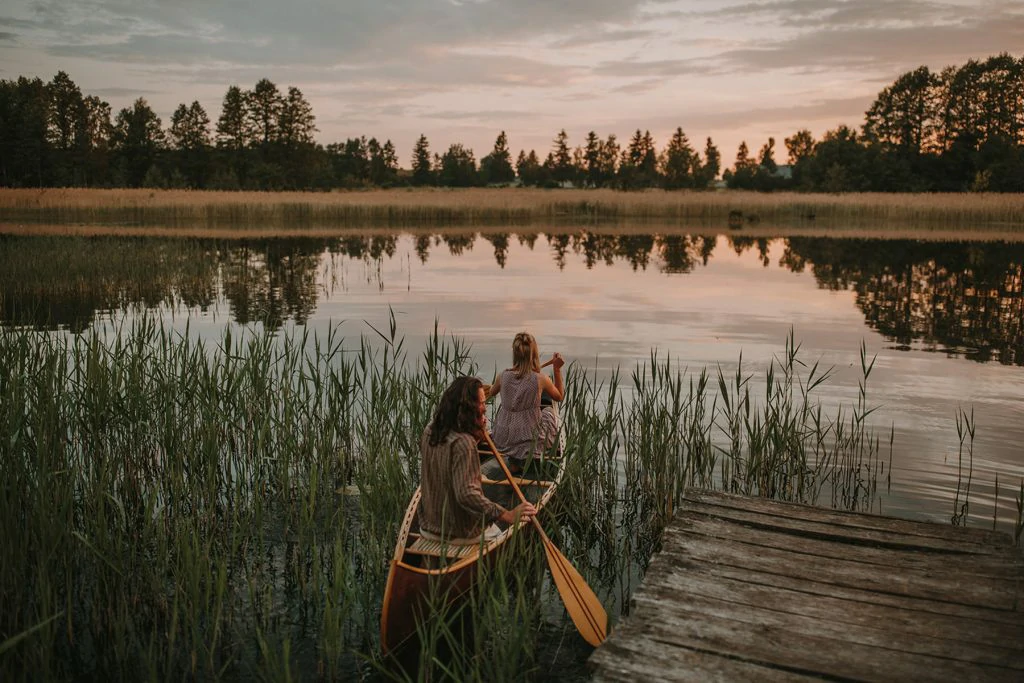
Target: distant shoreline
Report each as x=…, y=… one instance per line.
x=143, y=211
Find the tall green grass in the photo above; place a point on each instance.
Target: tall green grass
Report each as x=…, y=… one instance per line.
x=173, y=507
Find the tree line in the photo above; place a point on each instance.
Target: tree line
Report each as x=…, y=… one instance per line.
x=961, y=129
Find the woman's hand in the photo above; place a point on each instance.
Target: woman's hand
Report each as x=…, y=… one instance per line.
x=557, y=361
x=524, y=512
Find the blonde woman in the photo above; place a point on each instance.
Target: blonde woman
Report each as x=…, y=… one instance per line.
x=523, y=428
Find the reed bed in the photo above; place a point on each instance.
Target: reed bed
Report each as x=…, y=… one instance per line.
x=505, y=206
x=225, y=509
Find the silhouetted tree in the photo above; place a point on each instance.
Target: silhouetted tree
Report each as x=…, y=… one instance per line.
x=233, y=129
x=383, y=163
x=529, y=169
x=743, y=169
x=712, y=164
x=458, y=167
x=639, y=166
x=840, y=163
x=677, y=164
x=263, y=109
x=296, y=124
x=422, y=172
x=608, y=160
x=801, y=148
x=66, y=129
x=190, y=138
x=24, y=148
x=560, y=160
x=496, y=167
x=136, y=140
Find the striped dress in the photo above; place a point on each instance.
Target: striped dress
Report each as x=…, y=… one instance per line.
x=521, y=428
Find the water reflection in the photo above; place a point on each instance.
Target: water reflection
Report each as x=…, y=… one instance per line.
x=963, y=297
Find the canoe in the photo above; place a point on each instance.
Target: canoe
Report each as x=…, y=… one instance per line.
x=421, y=567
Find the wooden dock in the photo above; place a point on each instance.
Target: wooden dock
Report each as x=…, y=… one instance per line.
x=754, y=590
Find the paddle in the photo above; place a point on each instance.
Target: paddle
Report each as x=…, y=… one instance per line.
x=584, y=608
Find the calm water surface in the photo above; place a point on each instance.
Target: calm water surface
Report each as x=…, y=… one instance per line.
x=944, y=320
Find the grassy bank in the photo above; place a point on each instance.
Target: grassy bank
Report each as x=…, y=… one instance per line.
x=172, y=209
x=173, y=508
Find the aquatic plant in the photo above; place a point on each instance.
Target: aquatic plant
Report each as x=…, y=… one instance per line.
x=179, y=507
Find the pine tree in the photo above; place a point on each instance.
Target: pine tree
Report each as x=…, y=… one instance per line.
x=678, y=162
x=529, y=169
x=66, y=128
x=190, y=127
x=742, y=157
x=66, y=109
x=496, y=167
x=422, y=173
x=649, y=162
x=190, y=137
x=233, y=130
x=560, y=159
x=766, y=159
x=639, y=166
x=592, y=160
x=609, y=160
x=137, y=138
x=97, y=128
x=712, y=164
x=383, y=162
x=296, y=123
x=742, y=174
x=263, y=107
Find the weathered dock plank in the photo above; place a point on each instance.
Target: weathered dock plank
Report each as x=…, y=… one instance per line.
x=751, y=589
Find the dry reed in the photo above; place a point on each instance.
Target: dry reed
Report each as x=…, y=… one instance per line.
x=511, y=206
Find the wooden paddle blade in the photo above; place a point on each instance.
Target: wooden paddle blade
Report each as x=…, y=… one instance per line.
x=584, y=608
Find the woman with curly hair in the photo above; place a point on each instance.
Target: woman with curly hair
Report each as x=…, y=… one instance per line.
x=452, y=504
x=525, y=426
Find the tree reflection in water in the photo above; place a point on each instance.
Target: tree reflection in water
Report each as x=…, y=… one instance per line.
x=961, y=297
x=964, y=297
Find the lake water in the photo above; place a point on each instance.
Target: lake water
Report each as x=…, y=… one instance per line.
x=945, y=321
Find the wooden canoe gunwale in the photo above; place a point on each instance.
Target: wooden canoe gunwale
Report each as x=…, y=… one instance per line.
x=461, y=571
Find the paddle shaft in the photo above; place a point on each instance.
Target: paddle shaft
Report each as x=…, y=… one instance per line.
x=579, y=592
x=515, y=487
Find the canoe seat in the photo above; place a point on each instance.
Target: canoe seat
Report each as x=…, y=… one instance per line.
x=423, y=546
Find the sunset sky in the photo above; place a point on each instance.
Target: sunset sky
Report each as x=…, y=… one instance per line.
x=462, y=70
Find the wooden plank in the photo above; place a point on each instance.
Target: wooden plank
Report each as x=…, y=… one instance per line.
x=751, y=589
x=1002, y=566
x=809, y=654
x=915, y=583
x=640, y=659
x=843, y=518
x=901, y=620
x=801, y=618
x=815, y=587
x=887, y=538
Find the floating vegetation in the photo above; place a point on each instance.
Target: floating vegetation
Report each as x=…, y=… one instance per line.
x=179, y=508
